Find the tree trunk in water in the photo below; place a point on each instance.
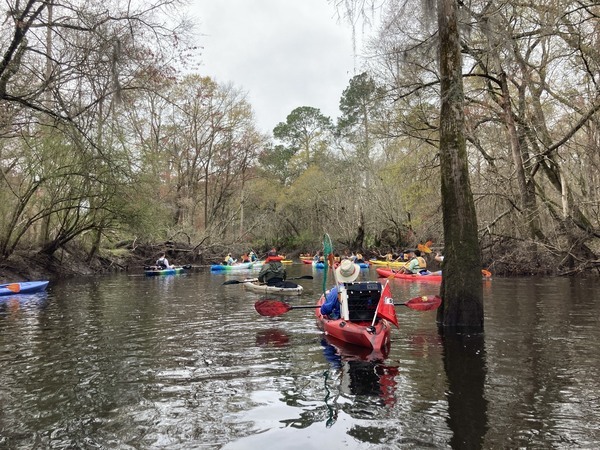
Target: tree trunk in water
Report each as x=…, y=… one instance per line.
x=466, y=373
x=461, y=290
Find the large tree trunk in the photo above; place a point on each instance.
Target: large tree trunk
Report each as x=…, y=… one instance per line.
x=461, y=289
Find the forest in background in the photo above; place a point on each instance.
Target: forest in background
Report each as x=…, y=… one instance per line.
x=112, y=144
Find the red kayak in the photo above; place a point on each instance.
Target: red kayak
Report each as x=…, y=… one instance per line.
x=359, y=333
x=364, y=301
x=385, y=273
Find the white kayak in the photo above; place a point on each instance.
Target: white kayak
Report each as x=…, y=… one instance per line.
x=255, y=286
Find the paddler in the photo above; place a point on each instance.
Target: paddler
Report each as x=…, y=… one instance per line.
x=272, y=272
x=346, y=272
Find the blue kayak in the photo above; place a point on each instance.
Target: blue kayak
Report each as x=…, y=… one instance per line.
x=236, y=266
x=156, y=271
x=23, y=287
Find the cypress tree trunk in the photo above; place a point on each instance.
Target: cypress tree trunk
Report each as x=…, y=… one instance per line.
x=461, y=289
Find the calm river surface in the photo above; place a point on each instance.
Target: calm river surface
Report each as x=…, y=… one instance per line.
x=183, y=362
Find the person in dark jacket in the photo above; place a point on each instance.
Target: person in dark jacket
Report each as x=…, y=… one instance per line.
x=272, y=272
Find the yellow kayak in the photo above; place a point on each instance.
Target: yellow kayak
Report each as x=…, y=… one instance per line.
x=394, y=264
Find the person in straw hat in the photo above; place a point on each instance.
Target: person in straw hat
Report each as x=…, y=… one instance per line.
x=346, y=272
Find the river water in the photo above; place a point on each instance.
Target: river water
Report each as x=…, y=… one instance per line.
x=184, y=362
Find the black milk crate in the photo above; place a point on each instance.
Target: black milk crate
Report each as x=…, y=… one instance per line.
x=363, y=298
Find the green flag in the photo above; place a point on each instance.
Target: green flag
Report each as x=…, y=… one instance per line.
x=327, y=250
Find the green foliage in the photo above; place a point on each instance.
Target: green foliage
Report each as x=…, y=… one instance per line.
x=306, y=131
x=275, y=160
x=358, y=99
x=300, y=124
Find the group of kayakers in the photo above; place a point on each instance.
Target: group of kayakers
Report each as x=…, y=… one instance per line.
x=248, y=257
x=415, y=262
x=228, y=260
x=337, y=258
x=273, y=272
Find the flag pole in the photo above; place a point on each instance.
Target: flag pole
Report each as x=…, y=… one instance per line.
x=379, y=303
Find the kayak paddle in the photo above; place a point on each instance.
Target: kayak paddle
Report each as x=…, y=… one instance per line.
x=272, y=308
x=303, y=277
x=422, y=303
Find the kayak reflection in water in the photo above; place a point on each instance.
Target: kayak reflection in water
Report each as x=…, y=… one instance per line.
x=360, y=371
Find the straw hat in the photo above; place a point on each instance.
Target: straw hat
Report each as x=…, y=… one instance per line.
x=347, y=271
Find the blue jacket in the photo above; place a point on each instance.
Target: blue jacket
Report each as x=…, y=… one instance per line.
x=331, y=306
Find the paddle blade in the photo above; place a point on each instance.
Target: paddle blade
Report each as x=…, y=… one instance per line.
x=271, y=308
x=14, y=287
x=424, y=303
x=247, y=280
x=424, y=248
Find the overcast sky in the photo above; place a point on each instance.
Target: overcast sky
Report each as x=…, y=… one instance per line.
x=282, y=53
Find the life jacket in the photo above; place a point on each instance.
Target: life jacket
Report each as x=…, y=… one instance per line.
x=422, y=264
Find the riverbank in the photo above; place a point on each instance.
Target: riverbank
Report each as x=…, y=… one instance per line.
x=34, y=266
x=26, y=266
x=31, y=265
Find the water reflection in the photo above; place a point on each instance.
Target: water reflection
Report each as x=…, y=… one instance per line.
x=357, y=371
x=272, y=337
x=465, y=367
x=184, y=362
x=14, y=305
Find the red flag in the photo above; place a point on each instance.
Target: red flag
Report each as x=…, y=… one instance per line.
x=385, y=307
